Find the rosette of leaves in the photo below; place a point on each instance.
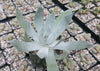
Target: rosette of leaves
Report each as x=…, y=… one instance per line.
x=44, y=40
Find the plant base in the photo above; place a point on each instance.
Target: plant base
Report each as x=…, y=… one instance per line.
x=36, y=61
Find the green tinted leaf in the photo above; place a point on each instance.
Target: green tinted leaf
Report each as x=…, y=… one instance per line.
x=73, y=45
x=26, y=46
x=27, y=38
x=51, y=62
x=43, y=52
x=39, y=19
x=26, y=26
x=50, y=22
x=61, y=24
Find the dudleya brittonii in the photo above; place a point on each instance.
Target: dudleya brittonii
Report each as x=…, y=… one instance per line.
x=45, y=38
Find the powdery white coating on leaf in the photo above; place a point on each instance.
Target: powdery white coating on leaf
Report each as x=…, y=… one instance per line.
x=45, y=38
x=26, y=38
x=26, y=25
x=26, y=46
x=73, y=45
x=51, y=61
x=61, y=24
x=39, y=19
x=43, y=52
x=50, y=23
x=1, y=10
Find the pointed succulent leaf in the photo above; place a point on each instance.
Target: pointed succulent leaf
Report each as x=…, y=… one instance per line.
x=54, y=43
x=27, y=38
x=43, y=52
x=25, y=46
x=50, y=22
x=51, y=62
x=26, y=25
x=73, y=45
x=64, y=14
x=40, y=36
x=61, y=24
x=39, y=19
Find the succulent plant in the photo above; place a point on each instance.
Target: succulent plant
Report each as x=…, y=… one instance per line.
x=80, y=11
x=84, y=2
x=72, y=4
x=44, y=40
x=98, y=27
x=96, y=1
x=97, y=47
x=87, y=11
x=49, y=2
x=2, y=27
x=74, y=27
x=97, y=10
x=84, y=11
x=69, y=63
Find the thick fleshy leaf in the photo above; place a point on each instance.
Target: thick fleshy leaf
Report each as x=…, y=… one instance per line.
x=26, y=25
x=27, y=38
x=40, y=36
x=39, y=19
x=49, y=25
x=64, y=14
x=26, y=46
x=54, y=43
x=43, y=52
x=61, y=24
x=51, y=62
x=73, y=45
